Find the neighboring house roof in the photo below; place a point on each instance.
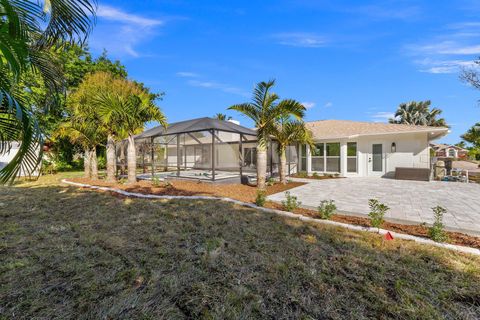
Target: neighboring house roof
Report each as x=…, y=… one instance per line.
x=338, y=129
x=195, y=125
x=440, y=146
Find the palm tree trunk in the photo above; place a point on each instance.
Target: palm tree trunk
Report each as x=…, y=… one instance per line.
x=110, y=158
x=283, y=165
x=122, y=159
x=132, y=160
x=261, y=164
x=93, y=163
x=87, y=168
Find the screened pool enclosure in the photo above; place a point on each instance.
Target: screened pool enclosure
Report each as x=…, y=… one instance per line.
x=203, y=149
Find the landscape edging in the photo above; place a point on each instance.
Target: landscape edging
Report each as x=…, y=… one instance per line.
x=285, y=214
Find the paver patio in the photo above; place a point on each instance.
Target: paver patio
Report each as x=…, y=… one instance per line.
x=410, y=201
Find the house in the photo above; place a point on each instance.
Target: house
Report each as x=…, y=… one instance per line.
x=449, y=151
x=9, y=154
x=212, y=149
x=363, y=149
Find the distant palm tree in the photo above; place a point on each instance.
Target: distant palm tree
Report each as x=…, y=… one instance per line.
x=418, y=113
x=286, y=133
x=222, y=116
x=130, y=113
x=266, y=111
x=473, y=135
x=28, y=29
x=86, y=133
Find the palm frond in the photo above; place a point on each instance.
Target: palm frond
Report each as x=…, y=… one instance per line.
x=248, y=109
x=17, y=124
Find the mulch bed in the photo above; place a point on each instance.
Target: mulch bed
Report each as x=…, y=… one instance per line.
x=248, y=194
x=193, y=188
x=316, y=177
x=414, y=230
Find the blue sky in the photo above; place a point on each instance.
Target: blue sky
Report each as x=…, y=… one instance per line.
x=354, y=60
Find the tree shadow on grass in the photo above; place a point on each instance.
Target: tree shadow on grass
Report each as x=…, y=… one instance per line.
x=72, y=253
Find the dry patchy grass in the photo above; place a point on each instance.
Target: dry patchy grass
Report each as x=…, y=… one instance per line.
x=72, y=253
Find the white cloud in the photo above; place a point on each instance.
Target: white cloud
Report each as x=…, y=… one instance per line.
x=452, y=49
x=217, y=86
x=444, y=66
x=114, y=14
x=187, y=74
x=305, y=40
x=328, y=104
x=308, y=105
x=120, y=32
x=382, y=116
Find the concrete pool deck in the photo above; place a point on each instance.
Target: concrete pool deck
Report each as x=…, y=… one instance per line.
x=410, y=202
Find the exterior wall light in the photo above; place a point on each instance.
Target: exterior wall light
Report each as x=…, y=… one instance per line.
x=394, y=147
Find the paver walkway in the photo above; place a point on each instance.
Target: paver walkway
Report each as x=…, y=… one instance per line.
x=410, y=201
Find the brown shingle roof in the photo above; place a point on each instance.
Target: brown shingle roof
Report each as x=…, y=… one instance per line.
x=336, y=129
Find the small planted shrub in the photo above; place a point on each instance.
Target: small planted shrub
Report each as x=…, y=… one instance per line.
x=156, y=181
x=291, y=202
x=377, y=212
x=261, y=198
x=302, y=174
x=270, y=182
x=315, y=175
x=437, y=232
x=326, y=209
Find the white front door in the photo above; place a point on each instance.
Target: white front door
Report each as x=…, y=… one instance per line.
x=376, y=160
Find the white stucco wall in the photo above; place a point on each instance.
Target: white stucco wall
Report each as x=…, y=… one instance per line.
x=412, y=151
x=5, y=158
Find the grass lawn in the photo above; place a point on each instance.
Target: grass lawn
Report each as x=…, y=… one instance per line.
x=72, y=253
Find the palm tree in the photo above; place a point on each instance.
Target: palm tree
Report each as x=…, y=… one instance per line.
x=130, y=113
x=265, y=110
x=286, y=133
x=222, y=116
x=473, y=135
x=418, y=113
x=28, y=29
x=87, y=134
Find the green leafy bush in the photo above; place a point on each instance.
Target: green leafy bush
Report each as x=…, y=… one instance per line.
x=315, y=175
x=270, y=181
x=156, y=181
x=437, y=232
x=101, y=162
x=302, y=174
x=261, y=198
x=291, y=202
x=326, y=209
x=377, y=212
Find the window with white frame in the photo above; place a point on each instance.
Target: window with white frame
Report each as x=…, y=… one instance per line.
x=318, y=160
x=351, y=157
x=333, y=156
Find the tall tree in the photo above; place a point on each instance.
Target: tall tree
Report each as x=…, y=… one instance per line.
x=473, y=135
x=266, y=110
x=129, y=109
x=28, y=30
x=85, y=132
x=222, y=116
x=418, y=113
x=286, y=133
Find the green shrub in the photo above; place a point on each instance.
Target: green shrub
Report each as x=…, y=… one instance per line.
x=261, y=198
x=315, y=175
x=156, y=181
x=436, y=232
x=326, y=209
x=101, y=162
x=270, y=181
x=302, y=174
x=377, y=212
x=291, y=202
